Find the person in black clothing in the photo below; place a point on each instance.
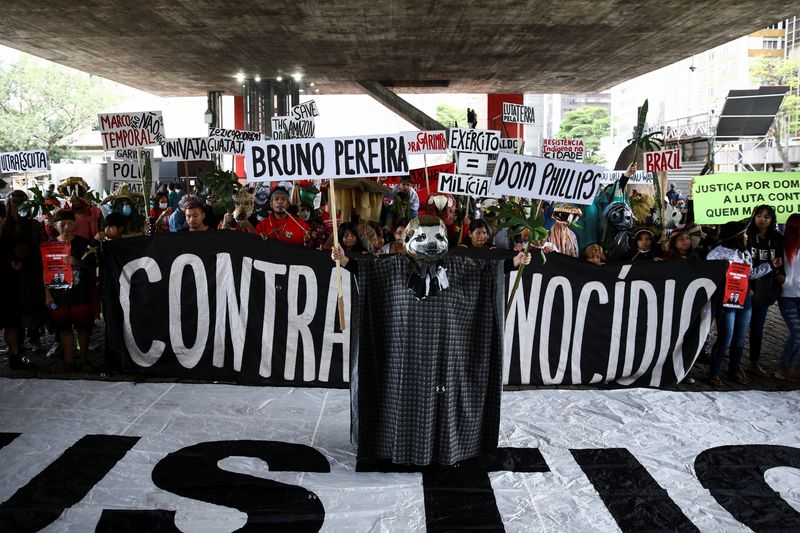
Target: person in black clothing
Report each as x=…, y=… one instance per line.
x=766, y=246
x=645, y=246
x=73, y=307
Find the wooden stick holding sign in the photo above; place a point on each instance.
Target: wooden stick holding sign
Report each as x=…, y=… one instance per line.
x=340, y=299
x=186, y=173
x=151, y=224
x=531, y=240
x=427, y=183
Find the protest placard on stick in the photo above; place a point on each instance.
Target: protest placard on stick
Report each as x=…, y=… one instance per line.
x=330, y=157
x=720, y=198
x=545, y=179
x=23, y=161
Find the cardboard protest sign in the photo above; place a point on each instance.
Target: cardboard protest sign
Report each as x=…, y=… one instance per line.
x=131, y=130
x=426, y=142
x=662, y=161
x=119, y=172
x=640, y=177
x=329, y=157
x=55, y=263
x=223, y=141
x=287, y=127
x=306, y=110
x=563, y=149
x=720, y=198
x=545, y=179
x=458, y=184
x=475, y=164
x=186, y=149
x=470, y=140
x=736, y=285
x=24, y=161
x=518, y=114
x=131, y=154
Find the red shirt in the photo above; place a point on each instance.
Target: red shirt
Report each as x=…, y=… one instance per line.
x=288, y=229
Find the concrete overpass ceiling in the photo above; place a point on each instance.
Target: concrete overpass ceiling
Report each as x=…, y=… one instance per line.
x=189, y=47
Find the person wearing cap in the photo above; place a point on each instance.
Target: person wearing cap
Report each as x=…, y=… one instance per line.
x=733, y=323
x=645, y=249
x=280, y=224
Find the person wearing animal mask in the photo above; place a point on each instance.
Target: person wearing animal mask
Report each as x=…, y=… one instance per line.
x=433, y=329
x=243, y=202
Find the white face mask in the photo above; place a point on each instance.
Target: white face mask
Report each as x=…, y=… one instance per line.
x=163, y=205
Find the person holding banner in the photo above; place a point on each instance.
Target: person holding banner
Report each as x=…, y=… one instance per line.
x=766, y=246
x=789, y=302
x=73, y=306
x=280, y=224
x=733, y=320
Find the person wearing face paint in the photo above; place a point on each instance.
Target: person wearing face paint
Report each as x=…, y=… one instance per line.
x=88, y=217
x=281, y=224
x=733, y=323
x=765, y=244
x=73, y=307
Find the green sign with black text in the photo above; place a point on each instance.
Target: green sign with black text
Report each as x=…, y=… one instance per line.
x=720, y=198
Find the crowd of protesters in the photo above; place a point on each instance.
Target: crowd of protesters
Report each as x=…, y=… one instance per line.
x=299, y=214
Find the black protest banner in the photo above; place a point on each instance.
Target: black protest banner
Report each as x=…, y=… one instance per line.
x=640, y=324
x=545, y=179
x=25, y=161
x=226, y=306
x=572, y=322
x=328, y=157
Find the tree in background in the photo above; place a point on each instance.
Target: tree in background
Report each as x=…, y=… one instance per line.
x=46, y=105
x=779, y=71
x=450, y=116
x=590, y=124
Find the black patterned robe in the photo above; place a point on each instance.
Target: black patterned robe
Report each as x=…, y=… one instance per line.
x=427, y=377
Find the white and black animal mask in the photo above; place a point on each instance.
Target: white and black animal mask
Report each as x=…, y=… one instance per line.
x=426, y=239
x=620, y=216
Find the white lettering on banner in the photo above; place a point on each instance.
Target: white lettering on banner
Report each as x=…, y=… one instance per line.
x=188, y=356
x=426, y=142
x=563, y=149
x=330, y=157
x=226, y=292
x=662, y=161
x=462, y=185
x=189, y=149
x=632, y=307
x=306, y=110
x=128, y=171
x=518, y=113
x=298, y=321
x=545, y=179
x=25, y=161
x=223, y=141
x=475, y=164
x=469, y=140
x=523, y=316
x=131, y=130
x=231, y=314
